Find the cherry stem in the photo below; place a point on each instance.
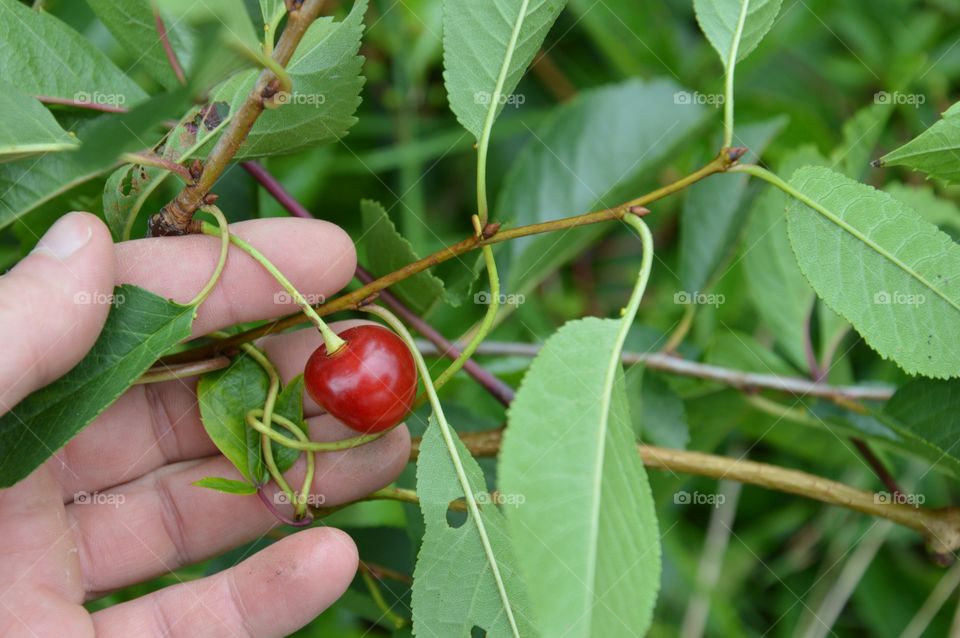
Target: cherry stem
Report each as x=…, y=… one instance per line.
x=224, y=231
x=331, y=339
x=299, y=500
x=303, y=443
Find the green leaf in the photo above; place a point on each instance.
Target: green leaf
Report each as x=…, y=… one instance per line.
x=387, y=250
x=225, y=397
x=112, y=135
x=719, y=20
x=124, y=194
x=49, y=58
x=929, y=411
x=713, y=212
x=232, y=15
x=923, y=199
x=454, y=589
x=882, y=267
x=577, y=166
x=935, y=151
x=225, y=485
x=270, y=8
x=325, y=71
x=289, y=404
x=140, y=327
x=128, y=188
x=28, y=128
x=894, y=431
x=586, y=533
x=656, y=409
x=779, y=291
x=487, y=46
x=131, y=23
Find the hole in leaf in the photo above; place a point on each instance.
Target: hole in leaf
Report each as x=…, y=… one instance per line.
x=456, y=517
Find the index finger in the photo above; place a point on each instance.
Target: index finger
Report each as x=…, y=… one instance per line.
x=316, y=256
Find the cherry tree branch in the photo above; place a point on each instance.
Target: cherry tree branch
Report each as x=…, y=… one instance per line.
x=491, y=234
x=940, y=527
x=175, y=218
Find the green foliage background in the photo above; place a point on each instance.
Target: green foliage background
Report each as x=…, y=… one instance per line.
x=821, y=63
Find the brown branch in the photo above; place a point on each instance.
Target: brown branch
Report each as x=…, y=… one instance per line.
x=491, y=235
x=167, y=47
x=553, y=77
x=940, y=527
x=91, y=106
x=175, y=218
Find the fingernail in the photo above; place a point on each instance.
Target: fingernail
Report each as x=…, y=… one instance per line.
x=67, y=236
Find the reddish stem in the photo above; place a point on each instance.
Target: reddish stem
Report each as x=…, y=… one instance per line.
x=167, y=47
x=105, y=108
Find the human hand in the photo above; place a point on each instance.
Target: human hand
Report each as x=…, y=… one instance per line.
x=115, y=506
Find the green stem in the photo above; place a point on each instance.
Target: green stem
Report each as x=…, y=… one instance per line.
x=305, y=444
x=257, y=355
x=222, y=261
x=451, y=443
x=682, y=329
x=253, y=421
x=330, y=338
x=374, y=588
x=483, y=144
x=270, y=30
x=485, y=325
x=731, y=64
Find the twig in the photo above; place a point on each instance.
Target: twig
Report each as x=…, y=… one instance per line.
x=796, y=386
x=92, y=106
x=553, y=77
x=491, y=235
x=184, y=371
x=167, y=47
x=878, y=467
x=940, y=527
x=175, y=218
x=152, y=159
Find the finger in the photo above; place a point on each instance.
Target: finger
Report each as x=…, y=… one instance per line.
x=156, y=424
x=273, y=593
x=161, y=522
x=316, y=256
x=54, y=303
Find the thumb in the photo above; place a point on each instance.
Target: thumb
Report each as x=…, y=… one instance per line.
x=53, y=305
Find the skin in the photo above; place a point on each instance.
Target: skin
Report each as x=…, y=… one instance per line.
x=369, y=383
x=142, y=454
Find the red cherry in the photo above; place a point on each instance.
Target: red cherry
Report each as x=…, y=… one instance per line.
x=369, y=383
